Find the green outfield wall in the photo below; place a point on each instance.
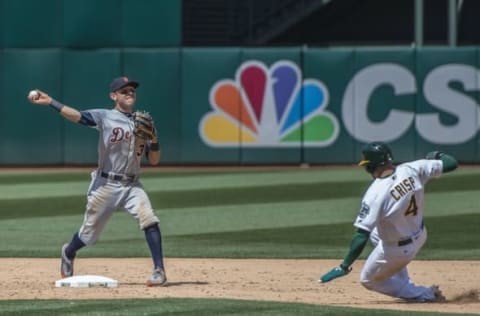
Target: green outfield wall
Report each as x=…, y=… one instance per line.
x=89, y=24
x=246, y=105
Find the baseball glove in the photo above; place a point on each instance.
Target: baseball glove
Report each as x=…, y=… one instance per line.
x=144, y=125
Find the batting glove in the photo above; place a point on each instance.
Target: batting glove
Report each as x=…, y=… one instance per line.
x=335, y=273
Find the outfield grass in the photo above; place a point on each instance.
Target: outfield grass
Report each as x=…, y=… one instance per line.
x=304, y=213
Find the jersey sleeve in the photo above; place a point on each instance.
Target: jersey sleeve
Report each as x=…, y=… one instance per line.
x=369, y=212
x=92, y=118
x=427, y=168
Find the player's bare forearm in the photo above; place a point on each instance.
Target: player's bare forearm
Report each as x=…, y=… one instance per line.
x=42, y=98
x=70, y=114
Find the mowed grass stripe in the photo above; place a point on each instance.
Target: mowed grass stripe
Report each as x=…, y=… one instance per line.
x=302, y=179
x=305, y=241
x=17, y=208
x=216, y=218
x=203, y=182
x=328, y=240
x=353, y=172
x=55, y=206
x=43, y=176
x=223, y=218
x=84, y=175
x=207, y=176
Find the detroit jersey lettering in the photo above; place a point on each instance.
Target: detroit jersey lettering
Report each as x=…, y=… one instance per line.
x=119, y=151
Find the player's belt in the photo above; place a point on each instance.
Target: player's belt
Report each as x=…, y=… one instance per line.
x=118, y=177
x=410, y=240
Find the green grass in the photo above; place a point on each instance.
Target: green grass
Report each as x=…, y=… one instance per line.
x=304, y=213
x=194, y=307
x=271, y=214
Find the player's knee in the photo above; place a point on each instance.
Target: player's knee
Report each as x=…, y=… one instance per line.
x=366, y=280
x=147, y=218
x=151, y=222
x=371, y=280
x=368, y=284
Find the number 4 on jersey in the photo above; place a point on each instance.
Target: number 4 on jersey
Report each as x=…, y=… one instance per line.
x=412, y=207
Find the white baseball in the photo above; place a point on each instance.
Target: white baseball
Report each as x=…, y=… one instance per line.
x=33, y=95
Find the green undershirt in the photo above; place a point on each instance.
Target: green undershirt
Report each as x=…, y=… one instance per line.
x=449, y=163
x=357, y=245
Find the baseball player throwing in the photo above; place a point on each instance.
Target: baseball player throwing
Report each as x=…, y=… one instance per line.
x=391, y=214
x=125, y=137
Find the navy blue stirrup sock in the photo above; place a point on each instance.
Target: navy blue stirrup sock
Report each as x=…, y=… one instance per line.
x=154, y=240
x=74, y=245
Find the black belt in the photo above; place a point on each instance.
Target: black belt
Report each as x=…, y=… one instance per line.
x=117, y=177
x=409, y=240
x=405, y=242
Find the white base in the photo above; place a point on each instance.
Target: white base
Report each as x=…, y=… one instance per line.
x=83, y=281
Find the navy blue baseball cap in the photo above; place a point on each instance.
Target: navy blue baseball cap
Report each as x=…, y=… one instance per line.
x=120, y=82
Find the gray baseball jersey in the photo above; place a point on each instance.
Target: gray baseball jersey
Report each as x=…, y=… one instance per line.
x=115, y=183
x=119, y=151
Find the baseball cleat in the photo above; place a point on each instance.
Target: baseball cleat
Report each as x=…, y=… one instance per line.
x=158, y=278
x=438, y=296
x=66, y=267
x=435, y=296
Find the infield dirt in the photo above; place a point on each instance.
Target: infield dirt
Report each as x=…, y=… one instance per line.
x=249, y=279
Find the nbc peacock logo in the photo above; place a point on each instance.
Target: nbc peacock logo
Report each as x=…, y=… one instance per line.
x=269, y=107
